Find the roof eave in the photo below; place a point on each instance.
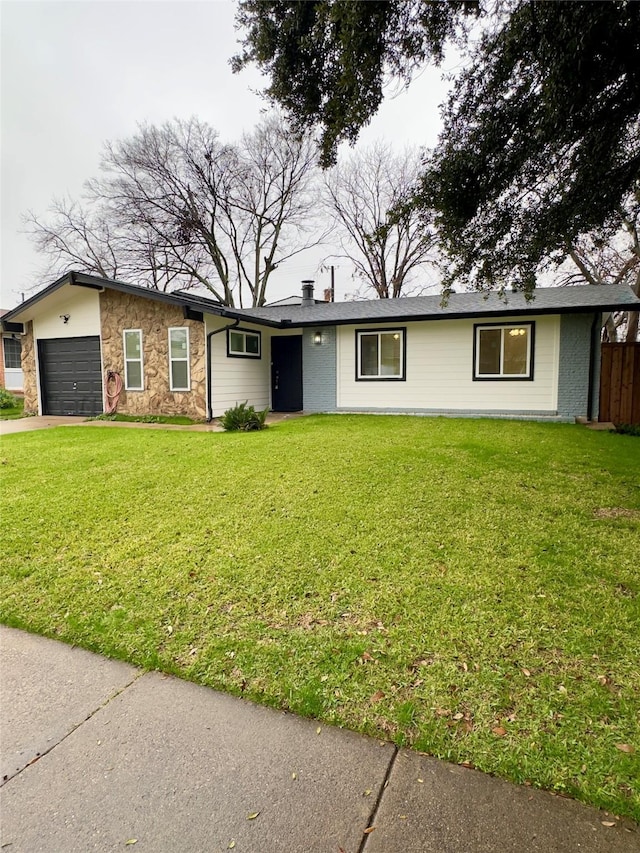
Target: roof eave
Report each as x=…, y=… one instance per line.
x=459, y=315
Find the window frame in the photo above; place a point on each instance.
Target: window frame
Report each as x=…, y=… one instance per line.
x=234, y=353
x=127, y=386
x=502, y=377
x=13, y=340
x=402, y=377
x=172, y=358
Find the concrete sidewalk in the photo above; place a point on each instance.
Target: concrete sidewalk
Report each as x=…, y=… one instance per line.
x=97, y=755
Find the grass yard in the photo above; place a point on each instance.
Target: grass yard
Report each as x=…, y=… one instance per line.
x=467, y=588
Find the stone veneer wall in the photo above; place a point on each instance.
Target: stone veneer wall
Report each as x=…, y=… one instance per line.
x=30, y=385
x=119, y=311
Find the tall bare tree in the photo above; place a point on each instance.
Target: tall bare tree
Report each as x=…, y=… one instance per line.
x=386, y=240
x=612, y=258
x=175, y=206
x=75, y=236
x=82, y=237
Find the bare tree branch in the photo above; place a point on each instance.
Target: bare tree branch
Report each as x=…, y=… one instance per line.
x=175, y=207
x=382, y=236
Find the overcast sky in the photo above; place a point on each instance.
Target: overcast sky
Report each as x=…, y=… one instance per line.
x=75, y=74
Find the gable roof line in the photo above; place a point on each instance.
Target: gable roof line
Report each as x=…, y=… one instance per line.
x=93, y=282
x=79, y=279
x=570, y=300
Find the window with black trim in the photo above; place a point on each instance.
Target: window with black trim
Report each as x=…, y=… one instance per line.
x=241, y=343
x=503, y=351
x=380, y=354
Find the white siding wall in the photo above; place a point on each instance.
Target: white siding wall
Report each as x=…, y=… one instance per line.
x=235, y=380
x=440, y=370
x=82, y=306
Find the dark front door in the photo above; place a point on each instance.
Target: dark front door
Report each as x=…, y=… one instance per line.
x=70, y=376
x=286, y=374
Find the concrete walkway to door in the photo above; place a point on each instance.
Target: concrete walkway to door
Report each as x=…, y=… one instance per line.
x=47, y=421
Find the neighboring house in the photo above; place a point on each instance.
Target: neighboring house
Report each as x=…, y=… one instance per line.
x=10, y=360
x=178, y=353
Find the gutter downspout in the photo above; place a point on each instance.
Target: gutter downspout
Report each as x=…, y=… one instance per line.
x=595, y=323
x=209, y=371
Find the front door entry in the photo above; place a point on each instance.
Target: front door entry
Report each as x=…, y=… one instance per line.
x=286, y=373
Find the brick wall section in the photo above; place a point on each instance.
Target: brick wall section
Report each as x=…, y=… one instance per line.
x=29, y=371
x=119, y=311
x=319, y=371
x=573, y=372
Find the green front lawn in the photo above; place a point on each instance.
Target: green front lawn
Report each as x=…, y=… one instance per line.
x=467, y=588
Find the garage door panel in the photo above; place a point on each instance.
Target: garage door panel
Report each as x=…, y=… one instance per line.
x=70, y=376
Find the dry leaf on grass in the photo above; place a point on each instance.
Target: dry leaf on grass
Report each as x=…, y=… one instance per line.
x=377, y=696
x=625, y=747
x=499, y=731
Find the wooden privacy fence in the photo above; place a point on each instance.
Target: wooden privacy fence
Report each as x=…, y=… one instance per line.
x=620, y=383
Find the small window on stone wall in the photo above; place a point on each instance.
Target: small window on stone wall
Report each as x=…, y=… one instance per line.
x=133, y=360
x=179, y=374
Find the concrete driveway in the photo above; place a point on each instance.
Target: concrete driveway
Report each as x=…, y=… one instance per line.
x=28, y=424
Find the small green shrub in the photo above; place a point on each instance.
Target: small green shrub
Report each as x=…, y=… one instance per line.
x=243, y=417
x=628, y=429
x=7, y=399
